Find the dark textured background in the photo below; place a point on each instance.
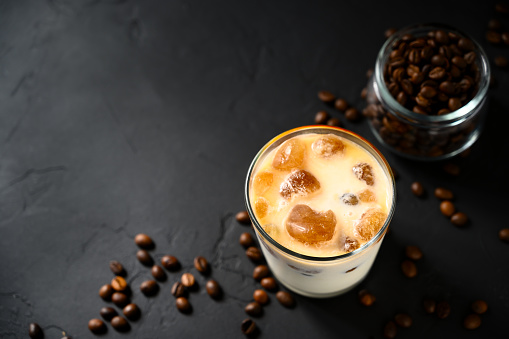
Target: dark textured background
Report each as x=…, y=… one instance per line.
x=119, y=117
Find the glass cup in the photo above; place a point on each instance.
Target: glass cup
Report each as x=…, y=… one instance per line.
x=319, y=277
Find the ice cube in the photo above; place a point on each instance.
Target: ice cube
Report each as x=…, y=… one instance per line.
x=327, y=146
x=349, y=199
x=299, y=182
x=367, y=195
x=261, y=207
x=289, y=155
x=350, y=244
x=309, y=226
x=262, y=182
x=364, y=172
x=369, y=224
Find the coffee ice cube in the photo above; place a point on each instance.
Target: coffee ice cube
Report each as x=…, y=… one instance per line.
x=262, y=182
x=367, y=195
x=364, y=172
x=327, y=146
x=369, y=224
x=349, y=199
x=350, y=244
x=261, y=207
x=290, y=155
x=299, y=182
x=310, y=226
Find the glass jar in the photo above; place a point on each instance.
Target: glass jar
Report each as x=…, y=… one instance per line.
x=415, y=133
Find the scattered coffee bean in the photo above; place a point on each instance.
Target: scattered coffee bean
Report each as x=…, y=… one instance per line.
x=472, y=321
x=170, y=263
x=119, y=284
x=97, y=326
x=120, y=299
x=243, y=217
x=35, y=331
x=144, y=241
x=352, y=114
x=479, y=306
x=213, y=289
x=443, y=309
x=321, y=117
x=409, y=269
x=493, y=37
x=149, y=287
x=178, y=290
x=158, y=273
x=326, y=96
x=366, y=298
x=132, y=312
x=429, y=305
x=254, y=309
x=187, y=280
x=105, y=292
x=269, y=283
x=341, y=104
x=390, y=330
x=183, y=305
x=494, y=25
x=261, y=297
x=452, y=169
x=389, y=32
x=369, y=73
x=443, y=193
x=260, y=272
x=459, y=219
x=364, y=93
x=503, y=234
x=120, y=324
x=201, y=264
x=144, y=258
x=417, y=189
x=501, y=61
x=403, y=320
x=108, y=313
x=248, y=327
x=335, y=122
x=285, y=299
x=502, y=8
x=117, y=268
x=254, y=254
x=413, y=252
x=246, y=239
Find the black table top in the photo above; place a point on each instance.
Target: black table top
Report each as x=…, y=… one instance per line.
x=124, y=117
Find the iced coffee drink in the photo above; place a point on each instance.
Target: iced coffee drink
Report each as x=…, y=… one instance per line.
x=320, y=199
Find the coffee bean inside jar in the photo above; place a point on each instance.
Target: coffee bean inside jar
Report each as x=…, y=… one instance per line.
x=427, y=96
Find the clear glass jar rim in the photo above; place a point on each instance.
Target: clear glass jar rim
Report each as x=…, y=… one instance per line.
x=363, y=143
x=463, y=112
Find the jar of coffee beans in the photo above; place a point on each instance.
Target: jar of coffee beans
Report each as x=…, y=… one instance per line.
x=427, y=97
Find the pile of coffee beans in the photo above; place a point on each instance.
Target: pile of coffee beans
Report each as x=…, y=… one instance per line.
x=408, y=266
x=340, y=104
x=448, y=209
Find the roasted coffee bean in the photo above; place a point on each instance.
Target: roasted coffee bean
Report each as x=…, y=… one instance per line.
x=503, y=234
x=428, y=92
x=243, y=217
x=417, y=78
x=417, y=189
x=452, y=169
x=436, y=73
x=366, y=298
x=502, y=8
x=106, y=291
x=117, y=268
x=120, y=299
x=369, y=73
x=187, y=280
x=389, y=32
x=459, y=219
x=254, y=254
x=335, y=122
x=441, y=37
x=149, y=287
x=438, y=60
x=443, y=111
x=158, y=273
x=390, y=330
x=443, y=309
x=269, y=283
x=97, y=326
x=246, y=239
x=501, y=61
x=493, y=37
x=35, y=331
x=120, y=324
x=472, y=321
x=261, y=297
x=479, y=306
x=459, y=61
x=108, y=313
x=352, y=114
x=419, y=110
x=443, y=193
x=505, y=38
x=178, y=289
x=170, y=263
x=144, y=241
x=144, y=258
x=403, y=320
x=470, y=57
x=285, y=299
x=341, y=104
x=402, y=98
x=201, y=264
x=254, y=309
x=429, y=305
x=409, y=269
x=248, y=327
x=260, y=272
x=466, y=44
x=132, y=312
x=494, y=25
x=321, y=117
x=447, y=208
x=326, y=96
x=183, y=305
x=454, y=104
x=422, y=101
x=413, y=252
x=213, y=289
x=119, y=284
